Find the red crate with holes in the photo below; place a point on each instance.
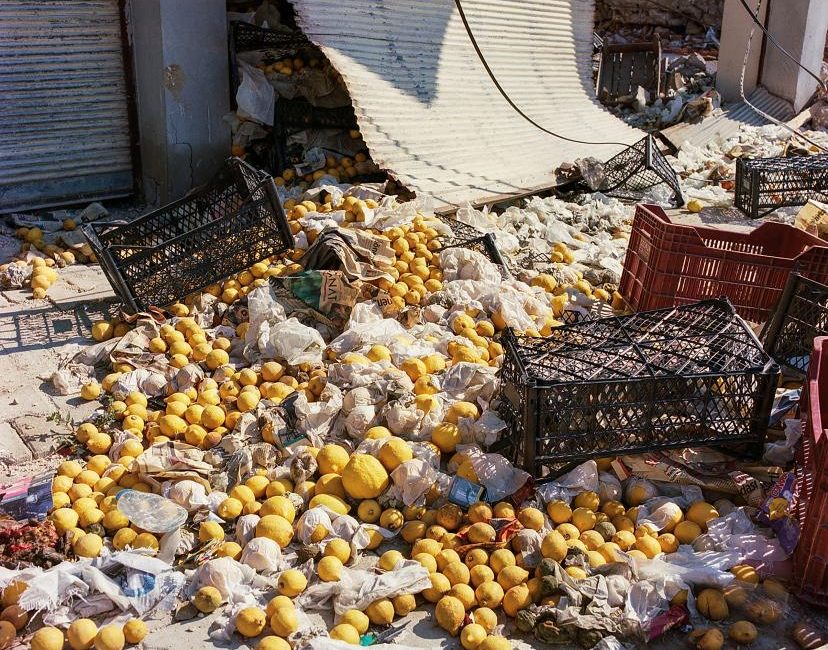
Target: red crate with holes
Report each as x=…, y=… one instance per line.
x=670, y=264
x=810, y=558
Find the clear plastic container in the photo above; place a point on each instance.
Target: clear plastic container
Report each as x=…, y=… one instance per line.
x=152, y=512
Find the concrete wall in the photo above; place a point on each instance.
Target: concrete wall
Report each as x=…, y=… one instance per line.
x=800, y=27
x=696, y=16
x=736, y=29
x=179, y=49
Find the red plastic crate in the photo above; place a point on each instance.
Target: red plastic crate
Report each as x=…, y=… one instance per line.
x=810, y=559
x=670, y=264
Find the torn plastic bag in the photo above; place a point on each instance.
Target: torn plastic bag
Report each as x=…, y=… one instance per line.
x=315, y=419
x=482, y=431
x=583, y=478
x=255, y=97
x=695, y=569
x=494, y=472
x=357, y=588
x=782, y=453
x=151, y=512
x=326, y=643
x=233, y=579
x=289, y=340
x=413, y=478
x=366, y=326
x=470, y=382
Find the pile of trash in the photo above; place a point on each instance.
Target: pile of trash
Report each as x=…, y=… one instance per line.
x=689, y=96
x=316, y=434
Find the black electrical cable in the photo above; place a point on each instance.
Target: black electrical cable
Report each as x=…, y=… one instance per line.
x=770, y=37
x=509, y=99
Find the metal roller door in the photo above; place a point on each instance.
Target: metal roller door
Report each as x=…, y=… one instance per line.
x=64, y=123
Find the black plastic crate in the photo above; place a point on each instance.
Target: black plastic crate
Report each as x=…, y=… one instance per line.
x=245, y=37
x=766, y=184
x=293, y=115
x=217, y=230
x=800, y=316
x=632, y=173
x=694, y=375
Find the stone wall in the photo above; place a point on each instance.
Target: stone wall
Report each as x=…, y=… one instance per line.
x=697, y=16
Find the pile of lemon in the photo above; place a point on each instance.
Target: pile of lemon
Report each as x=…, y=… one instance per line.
x=82, y=634
x=48, y=258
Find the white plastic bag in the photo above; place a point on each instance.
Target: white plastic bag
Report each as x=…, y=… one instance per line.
x=255, y=98
x=263, y=554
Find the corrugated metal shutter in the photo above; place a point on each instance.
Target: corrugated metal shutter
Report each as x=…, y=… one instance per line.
x=430, y=114
x=64, y=127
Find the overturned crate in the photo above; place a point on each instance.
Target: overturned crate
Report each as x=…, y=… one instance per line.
x=766, y=184
x=800, y=316
x=219, y=229
x=295, y=115
x=276, y=44
x=635, y=173
x=690, y=376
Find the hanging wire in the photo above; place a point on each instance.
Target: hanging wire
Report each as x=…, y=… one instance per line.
x=509, y=99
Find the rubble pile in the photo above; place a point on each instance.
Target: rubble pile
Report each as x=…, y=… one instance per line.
x=695, y=18
x=708, y=173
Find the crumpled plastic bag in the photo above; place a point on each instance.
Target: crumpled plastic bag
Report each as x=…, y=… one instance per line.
x=255, y=97
x=233, y=579
x=357, y=588
x=470, y=382
x=581, y=479
x=465, y=264
x=246, y=528
x=781, y=453
x=188, y=494
x=483, y=431
x=495, y=473
x=263, y=554
x=609, y=487
x=413, y=478
x=289, y=340
x=315, y=419
x=312, y=518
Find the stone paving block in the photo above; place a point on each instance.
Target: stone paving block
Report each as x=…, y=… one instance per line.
x=42, y=436
x=80, y=283
x=12, y=443
x=24, y=399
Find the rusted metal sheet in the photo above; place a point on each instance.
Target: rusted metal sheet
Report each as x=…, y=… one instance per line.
x=64, y=127
x=431, y=115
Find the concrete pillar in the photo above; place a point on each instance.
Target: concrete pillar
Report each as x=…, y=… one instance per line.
x=179, y=51
x=800, y=27
x=736, y=26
